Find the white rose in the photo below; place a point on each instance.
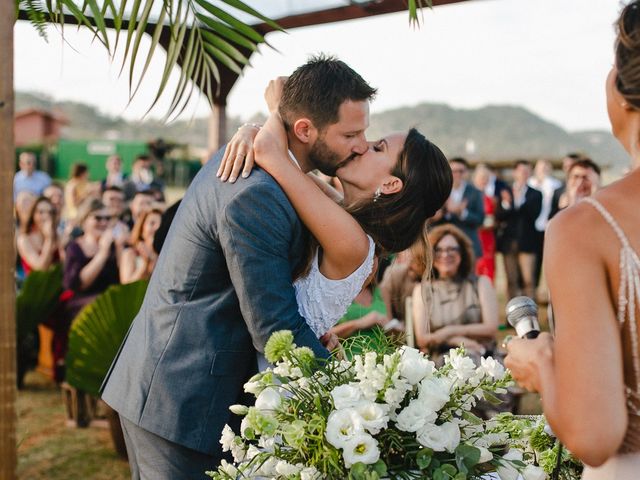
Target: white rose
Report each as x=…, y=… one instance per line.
x=342, y=426
x=414, y=366
x=485, y=455
x=506, y=470
x=345, y=396
x=361, y=448
x=414, y=416
x=373, y=416
x=531, y=472
x=228, y=438
x=439, y=437
x=434, y=393
x=492, y=367
x=268, y=400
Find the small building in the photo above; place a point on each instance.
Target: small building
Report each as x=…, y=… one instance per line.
x=37, y=127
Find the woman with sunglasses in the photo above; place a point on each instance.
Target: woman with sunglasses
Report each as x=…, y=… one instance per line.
x=90, y=267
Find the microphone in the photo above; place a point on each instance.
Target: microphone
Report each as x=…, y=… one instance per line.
x=522, y=314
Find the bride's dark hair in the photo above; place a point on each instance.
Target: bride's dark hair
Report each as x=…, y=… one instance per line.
x=628, y=54
x=398, y=220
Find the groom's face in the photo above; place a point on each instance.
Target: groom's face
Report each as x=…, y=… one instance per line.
x=340, y=142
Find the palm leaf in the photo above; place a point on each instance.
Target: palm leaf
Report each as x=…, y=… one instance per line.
x=36, y=13
x=37, y=299
x=414, y=6
x=97, y=332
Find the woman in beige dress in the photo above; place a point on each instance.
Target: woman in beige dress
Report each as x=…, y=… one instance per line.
x=589, y=374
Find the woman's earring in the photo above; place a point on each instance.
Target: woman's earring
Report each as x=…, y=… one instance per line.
x=377, y=194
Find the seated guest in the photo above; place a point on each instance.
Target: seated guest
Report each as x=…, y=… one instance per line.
x=55, y=194
x=115, y=176
x=141, y=203
x=455, y=307
x=76, y=190
x=37, y=241
x=138, y=260
x=90, y=267
x=401, y=277
x=23, y=205
x=364, y=318
x=28, y=179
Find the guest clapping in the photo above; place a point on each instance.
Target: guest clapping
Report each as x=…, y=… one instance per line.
x=37, y=241
x=138, y=260
x=455, y=307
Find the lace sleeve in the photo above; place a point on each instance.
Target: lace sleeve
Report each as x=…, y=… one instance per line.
x=322, y=301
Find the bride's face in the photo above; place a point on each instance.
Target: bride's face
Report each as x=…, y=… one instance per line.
x=363, y=175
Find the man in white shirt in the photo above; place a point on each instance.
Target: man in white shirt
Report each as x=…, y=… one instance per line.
x=28, y=178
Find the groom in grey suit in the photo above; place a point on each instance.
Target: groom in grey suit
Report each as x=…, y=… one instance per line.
x=223, y=284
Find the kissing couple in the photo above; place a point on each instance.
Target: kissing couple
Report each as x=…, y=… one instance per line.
x=277, y=250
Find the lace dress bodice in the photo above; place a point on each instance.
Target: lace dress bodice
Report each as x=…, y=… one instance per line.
x=628, y=303
x=322, y=301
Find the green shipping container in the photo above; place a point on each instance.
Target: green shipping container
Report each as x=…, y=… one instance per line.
x=94, y=153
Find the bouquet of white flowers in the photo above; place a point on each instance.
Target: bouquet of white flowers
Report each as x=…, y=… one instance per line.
x=389, y=414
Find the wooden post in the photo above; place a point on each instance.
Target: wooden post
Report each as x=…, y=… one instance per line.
x=217, y=128
x=7, y=250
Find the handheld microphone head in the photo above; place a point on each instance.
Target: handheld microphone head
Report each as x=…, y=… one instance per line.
x=522, y=314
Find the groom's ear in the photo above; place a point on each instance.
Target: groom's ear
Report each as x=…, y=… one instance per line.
x=305, y=131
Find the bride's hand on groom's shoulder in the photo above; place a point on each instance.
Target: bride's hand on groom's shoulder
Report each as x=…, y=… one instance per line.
x=238, y=154
x=273, y=93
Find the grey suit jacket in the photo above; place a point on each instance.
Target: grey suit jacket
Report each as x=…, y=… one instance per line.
x=221, y=286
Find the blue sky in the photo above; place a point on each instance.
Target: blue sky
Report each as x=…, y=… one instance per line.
x=550, y=56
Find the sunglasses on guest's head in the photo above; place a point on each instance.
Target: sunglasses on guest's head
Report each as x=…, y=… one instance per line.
x=104, y=218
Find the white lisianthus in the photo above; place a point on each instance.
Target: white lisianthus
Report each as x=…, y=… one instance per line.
x=228, y=468
x=414, y=416
x=345, y=396
x=287, y=469
x=310, y=473
x=361, y=448
x=531, y=472
x=439, y=437
x=463, y=367
x=268, y=400
x=239, y=409
x=252, y=451
x=373, y=416
x=434, y=393
x=395, y=395
x=268, y=468
x=253, y=387
x=342, y=426
x=267, y=443
x=492, y=367
x=506, y=470
x=414, y=366
x=227, y=439
x=485, y=455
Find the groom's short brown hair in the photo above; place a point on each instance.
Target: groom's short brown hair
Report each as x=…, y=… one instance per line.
x=317, y=89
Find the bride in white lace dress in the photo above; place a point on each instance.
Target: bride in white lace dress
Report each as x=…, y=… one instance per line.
x=389, y=193
x=589, y=375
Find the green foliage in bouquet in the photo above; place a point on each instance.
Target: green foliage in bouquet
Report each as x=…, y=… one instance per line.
x=97, y=332
x=381, y=414
x=37, y=298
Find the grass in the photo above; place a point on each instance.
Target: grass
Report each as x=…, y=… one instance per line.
x=50, y=449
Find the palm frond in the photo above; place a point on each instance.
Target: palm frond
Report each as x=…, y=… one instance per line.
x=97, y=332
x=413, y=7
x=35, y=10
x=37, y=298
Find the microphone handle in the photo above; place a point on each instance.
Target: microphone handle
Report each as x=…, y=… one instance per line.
x=532, y=334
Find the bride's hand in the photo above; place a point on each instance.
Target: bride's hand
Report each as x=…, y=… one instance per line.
x=330, y=341
x=273, y=93
x=238, y=155
x=527, y=358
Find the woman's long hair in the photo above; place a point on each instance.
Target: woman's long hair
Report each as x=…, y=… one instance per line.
x=395, y=221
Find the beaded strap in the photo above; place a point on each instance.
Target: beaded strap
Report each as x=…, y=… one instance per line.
x=628, y=298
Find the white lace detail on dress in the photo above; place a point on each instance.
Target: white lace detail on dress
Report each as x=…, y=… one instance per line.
x=322, y=301
x=628, y=298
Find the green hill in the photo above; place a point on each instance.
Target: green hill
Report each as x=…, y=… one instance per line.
x=489, y=134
